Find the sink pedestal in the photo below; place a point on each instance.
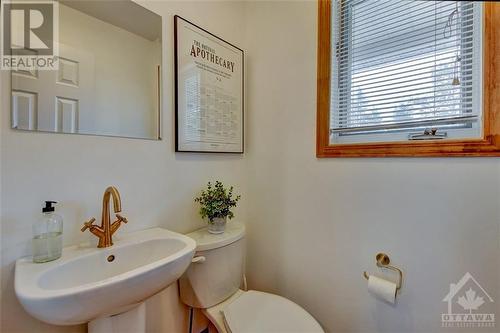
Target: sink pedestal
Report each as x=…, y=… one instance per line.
x=132, y=321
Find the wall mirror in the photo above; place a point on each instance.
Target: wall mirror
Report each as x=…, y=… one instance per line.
x=109, y=76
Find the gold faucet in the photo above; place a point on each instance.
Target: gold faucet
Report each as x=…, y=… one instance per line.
x=106, y=230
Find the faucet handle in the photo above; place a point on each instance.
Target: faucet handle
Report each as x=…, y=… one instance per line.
x=121, y=218
x=88, y=224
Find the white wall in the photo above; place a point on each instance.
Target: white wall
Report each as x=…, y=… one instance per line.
x=157, y=185
x=315, y=225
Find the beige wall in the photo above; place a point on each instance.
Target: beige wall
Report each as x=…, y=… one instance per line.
x=157, y=185
x=315, y=225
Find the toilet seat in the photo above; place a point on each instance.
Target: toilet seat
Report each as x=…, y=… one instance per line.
x=255, y=311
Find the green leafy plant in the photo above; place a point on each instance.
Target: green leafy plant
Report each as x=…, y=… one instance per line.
x=217, y=201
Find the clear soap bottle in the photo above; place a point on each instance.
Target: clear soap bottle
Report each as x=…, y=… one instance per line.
x=47, y=235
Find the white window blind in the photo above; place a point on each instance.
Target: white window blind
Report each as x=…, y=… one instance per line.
x=400, y=67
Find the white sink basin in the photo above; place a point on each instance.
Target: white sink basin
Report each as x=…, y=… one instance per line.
x=84, y=284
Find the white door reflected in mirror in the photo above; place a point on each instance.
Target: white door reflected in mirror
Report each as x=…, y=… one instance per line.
x=108, y=81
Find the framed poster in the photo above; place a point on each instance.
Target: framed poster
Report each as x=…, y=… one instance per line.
x=208, y=91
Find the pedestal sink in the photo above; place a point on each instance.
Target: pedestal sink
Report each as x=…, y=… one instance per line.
x=88, y=284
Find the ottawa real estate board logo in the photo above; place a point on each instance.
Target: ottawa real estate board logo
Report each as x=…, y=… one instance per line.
x=469, y=305
x=30, y=35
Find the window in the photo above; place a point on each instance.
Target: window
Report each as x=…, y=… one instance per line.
x=407, y=78
x=400, y=67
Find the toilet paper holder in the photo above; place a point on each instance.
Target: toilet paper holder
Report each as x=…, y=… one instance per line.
x=383, y=261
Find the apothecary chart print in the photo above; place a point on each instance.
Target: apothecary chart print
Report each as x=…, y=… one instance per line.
x=209, y=91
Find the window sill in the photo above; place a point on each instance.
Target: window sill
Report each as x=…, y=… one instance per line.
x=439, y=148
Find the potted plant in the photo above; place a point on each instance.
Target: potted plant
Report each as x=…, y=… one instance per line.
x=216, y=203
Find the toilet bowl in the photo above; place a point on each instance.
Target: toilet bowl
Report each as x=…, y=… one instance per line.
x=213, y=280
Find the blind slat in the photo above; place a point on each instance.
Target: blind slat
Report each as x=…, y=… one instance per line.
x=428, y=100
x=392, y=94
x=410, y=83
x=367, y=115
x=402, y=69
x=396, y=75
x=427, y=7
x=416, y=45
x=427, y=18
x=408, y=124
x=398, y=99
x=426, y=28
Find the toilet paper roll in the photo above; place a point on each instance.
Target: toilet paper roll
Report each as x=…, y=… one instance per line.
x=381, y=288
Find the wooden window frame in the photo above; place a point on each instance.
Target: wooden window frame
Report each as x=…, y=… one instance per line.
x=489, y=145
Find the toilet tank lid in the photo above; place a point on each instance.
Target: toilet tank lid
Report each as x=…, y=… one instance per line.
x=206, y=241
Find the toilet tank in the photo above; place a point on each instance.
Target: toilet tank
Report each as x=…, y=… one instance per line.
x=217, y=269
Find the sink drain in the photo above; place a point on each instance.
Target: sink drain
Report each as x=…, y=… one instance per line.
x=111, y=258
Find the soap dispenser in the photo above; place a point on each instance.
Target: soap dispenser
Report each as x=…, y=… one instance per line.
x=47, y=235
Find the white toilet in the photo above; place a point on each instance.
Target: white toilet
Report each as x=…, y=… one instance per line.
x=212, y=283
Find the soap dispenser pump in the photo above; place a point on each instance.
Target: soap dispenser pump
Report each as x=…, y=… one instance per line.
x=47, y=235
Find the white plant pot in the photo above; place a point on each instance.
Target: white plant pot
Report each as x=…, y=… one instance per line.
x=217, y=225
